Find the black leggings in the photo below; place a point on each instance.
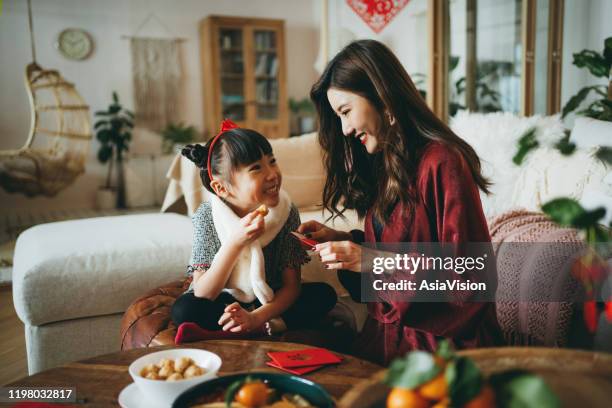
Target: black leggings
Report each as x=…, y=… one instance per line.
x=314, y=302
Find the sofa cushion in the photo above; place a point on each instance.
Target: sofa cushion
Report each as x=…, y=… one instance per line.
x=301, y=162
x=97, y=266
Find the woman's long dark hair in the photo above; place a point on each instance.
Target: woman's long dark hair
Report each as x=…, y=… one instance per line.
x=235, y=147
x=361, y=181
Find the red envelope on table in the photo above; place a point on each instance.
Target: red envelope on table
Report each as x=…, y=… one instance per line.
x=296, y=370
x=304, y=357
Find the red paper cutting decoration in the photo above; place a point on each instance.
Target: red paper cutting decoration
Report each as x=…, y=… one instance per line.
x=377, y=13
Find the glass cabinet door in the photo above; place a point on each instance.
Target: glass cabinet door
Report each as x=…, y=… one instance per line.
x=485, y=56
x=266, y=73
x=232, y=74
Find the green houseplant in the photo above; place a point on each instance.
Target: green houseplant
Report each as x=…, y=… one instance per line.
x=114, y=132
x=600, y=65
x=177, y=133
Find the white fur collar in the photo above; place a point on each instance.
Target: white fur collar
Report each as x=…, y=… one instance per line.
x=248, y=278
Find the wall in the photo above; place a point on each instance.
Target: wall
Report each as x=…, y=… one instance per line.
x=109, y=68
x=406, y=34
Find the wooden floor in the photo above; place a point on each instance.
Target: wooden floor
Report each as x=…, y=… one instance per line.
x=13, y=361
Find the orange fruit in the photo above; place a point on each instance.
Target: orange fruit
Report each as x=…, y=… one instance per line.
x=253, y=394
x=434, y=389
x=484, y=399
x=404, y=398
x=445, y=403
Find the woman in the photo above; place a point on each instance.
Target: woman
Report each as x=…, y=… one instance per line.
x=392, y=160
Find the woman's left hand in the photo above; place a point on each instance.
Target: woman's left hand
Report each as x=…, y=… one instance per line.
x=340, y=255
x=236, y=319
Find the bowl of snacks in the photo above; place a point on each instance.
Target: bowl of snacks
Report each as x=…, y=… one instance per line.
x=163, y=375
x=256, y=390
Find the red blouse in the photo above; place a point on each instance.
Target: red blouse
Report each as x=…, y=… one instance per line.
x=448, y=210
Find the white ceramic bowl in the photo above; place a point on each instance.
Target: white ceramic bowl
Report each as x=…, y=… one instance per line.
x=165, y=392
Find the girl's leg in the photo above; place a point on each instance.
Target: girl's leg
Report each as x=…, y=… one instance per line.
x=204, y=312
x=315, y=301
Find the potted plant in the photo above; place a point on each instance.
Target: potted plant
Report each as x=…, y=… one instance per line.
x=178, y=133
x=599, y=65
x=302, y=116
x=114, y=132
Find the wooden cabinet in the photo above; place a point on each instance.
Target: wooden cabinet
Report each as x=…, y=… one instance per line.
x=244, y=74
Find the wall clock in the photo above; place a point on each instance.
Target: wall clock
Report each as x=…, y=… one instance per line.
x=75, y=43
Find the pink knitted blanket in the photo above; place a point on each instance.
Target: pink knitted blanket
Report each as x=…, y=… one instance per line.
x=534, y=274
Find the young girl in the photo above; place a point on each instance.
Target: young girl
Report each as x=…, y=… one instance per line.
x=244, y=263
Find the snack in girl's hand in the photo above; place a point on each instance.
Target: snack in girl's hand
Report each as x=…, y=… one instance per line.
x=262, y=209
x=422, y=379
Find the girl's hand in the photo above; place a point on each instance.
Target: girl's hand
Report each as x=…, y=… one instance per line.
x=252, y=226
x=319, y=232
x=236, y=319
x=341, y=255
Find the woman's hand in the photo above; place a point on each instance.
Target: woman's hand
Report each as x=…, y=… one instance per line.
x=340, y=255
x=319, y=232
x=236, y=319
x=251, y=227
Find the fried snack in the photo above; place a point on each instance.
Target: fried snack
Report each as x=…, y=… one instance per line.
x=193, y=371
x=172, y=370
x=262, y=209
x=181, y=363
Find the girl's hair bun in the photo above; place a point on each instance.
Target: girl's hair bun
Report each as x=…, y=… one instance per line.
x=197, y=154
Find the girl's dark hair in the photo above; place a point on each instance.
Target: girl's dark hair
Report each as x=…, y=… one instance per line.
x=361, y=181
x=235, y=147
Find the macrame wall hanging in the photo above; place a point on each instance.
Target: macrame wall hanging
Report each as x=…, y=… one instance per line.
x=377, y=13
x=158, y=79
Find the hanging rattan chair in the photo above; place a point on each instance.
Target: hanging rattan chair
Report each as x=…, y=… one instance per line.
x=57, y=146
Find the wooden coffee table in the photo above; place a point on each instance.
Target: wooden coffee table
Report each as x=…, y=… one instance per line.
x=99, y=380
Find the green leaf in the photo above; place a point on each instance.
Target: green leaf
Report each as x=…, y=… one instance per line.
x=105, y=153
x=563, y=211
x=526, y=143
x=565, y=147
x=100, y=123
x=593, y=61
x=575, y=101
x=115, y=97
x=453, y=61
x=231, y=391
x=445, y=350
x=607, y=52
x=114, y=109
x=589, y=218
x=416, y=368
x=104, y=135
x=464, y=380
x=521, y=389
x=604, y=153
x=102, y=113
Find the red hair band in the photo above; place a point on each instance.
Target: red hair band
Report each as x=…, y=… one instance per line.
x=225, y=125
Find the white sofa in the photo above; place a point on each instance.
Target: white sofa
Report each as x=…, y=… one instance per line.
x=73, y=280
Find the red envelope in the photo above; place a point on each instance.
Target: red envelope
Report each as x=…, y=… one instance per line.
x=297, y=370
x=303, y=358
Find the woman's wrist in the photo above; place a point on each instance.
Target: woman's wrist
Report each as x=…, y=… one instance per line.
x=343, y=236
